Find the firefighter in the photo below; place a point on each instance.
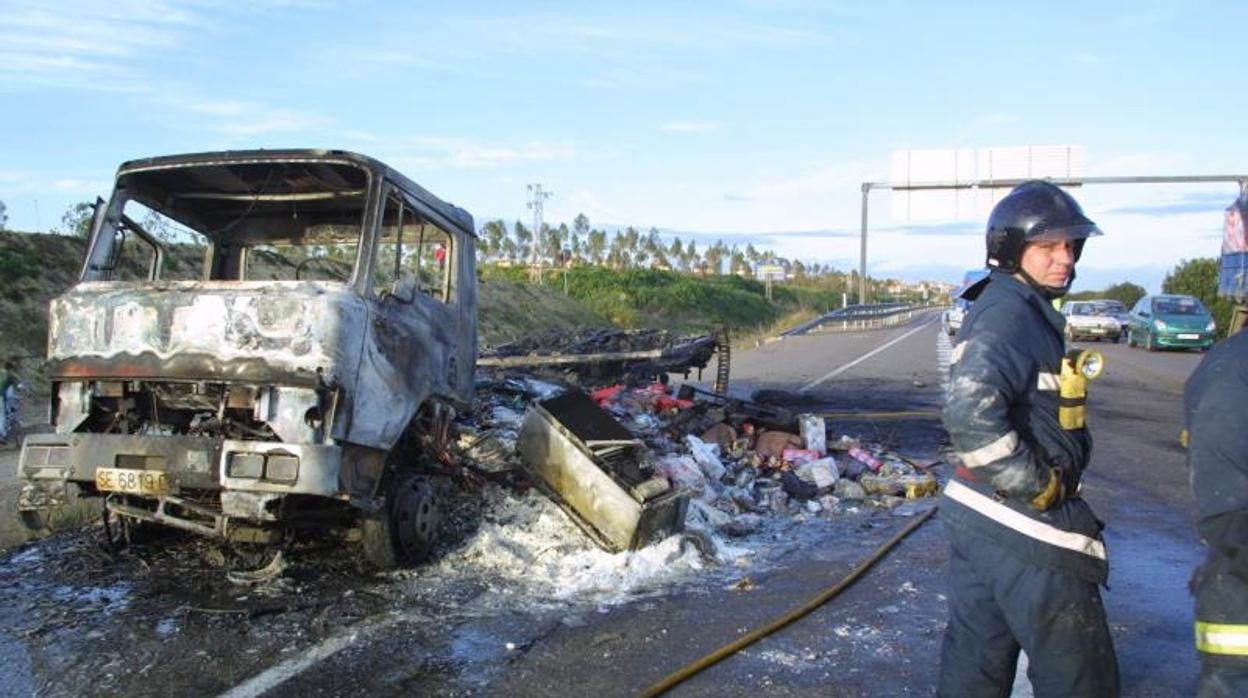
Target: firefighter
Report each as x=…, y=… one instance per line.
x=1026, y=555
x=1218, y=455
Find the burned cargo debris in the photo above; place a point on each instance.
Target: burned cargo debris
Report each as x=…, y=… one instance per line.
x=599, y=473
x=597, y=356
x=253, y=336
x=616, y=460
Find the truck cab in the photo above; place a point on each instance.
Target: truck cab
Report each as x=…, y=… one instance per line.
x=261, y=341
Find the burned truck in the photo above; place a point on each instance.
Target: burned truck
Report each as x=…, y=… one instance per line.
x=261, y=343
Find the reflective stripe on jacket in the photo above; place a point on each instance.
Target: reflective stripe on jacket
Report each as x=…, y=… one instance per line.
x=1001, y=415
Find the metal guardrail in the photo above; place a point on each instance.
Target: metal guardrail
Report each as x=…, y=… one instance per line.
x=859, y=317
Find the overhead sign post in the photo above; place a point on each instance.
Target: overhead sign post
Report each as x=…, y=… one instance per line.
x=770, y=272
x=1009, y=183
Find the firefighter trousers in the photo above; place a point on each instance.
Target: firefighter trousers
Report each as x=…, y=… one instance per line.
x=999, y=604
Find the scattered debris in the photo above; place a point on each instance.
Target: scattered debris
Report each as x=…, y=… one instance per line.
x=735, y=463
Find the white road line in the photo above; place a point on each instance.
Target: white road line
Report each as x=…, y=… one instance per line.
x=838, y=371
x=944, y=349
x=284, y=671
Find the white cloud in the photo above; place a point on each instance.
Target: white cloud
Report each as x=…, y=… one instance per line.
x=459, y=153
x=1143, y=163
x=982, y=127
x=90, y=45
x=46, y=45
x=837, y=178
x=79, y=186
x=691, y=126
x=600, y=48
x=246, y=119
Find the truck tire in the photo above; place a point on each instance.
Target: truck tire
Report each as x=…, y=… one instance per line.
x=404, y=532
x=35, y=520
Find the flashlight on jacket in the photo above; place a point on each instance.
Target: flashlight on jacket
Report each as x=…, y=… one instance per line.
x=1078, y=367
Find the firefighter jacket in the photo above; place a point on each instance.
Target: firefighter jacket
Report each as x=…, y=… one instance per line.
x=1213, y=411
x=1001, y=412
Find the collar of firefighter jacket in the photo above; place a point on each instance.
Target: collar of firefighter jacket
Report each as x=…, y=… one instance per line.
x=1007, y=283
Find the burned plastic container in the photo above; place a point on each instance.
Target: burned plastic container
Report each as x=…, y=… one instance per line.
x=599, y=474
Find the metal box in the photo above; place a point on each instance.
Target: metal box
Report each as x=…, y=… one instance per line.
x=599, y=474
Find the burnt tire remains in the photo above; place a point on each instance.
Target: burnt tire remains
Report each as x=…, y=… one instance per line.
x=404, y=532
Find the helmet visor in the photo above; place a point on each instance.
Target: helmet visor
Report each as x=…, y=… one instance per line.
x=1069, y=232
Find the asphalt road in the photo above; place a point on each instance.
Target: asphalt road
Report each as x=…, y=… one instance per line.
x=434, y=633
x=881, y=637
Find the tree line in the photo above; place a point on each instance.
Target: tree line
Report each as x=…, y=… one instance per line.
x=628, y=248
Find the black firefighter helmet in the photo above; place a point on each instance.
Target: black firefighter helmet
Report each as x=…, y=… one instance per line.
x=1034, y=211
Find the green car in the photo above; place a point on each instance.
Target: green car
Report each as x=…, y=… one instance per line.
x=1170, y=322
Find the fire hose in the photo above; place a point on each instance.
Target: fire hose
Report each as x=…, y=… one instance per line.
x=692, y=669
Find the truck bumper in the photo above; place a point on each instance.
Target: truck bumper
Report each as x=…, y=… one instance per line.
x=249, y=476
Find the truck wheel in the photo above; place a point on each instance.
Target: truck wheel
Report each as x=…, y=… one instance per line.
x=404, y=533
x=35, y=520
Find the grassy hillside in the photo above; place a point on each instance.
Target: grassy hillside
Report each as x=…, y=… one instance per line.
x=634, y=298
x=33, y=268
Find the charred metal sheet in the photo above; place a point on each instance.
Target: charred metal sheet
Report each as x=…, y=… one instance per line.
x=608, y=352
x=257, y=332
x=589, y=464
x=175, y=512
x=286, y=411
x=72, y=405
x=250, y=505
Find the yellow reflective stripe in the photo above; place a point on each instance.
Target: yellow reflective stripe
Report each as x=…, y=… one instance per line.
x=1048, y=381
x=957, y=352
x=1222, y=638
x=1026, y=525
x=993, y=452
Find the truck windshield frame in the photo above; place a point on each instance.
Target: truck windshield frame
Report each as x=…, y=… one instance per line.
x=270, y=220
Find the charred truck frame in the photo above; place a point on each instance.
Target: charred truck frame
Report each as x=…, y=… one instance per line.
x=261, y=341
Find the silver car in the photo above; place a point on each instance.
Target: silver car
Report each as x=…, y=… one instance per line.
x=1090, y=320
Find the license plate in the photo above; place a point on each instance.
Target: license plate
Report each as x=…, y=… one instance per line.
x=1189, y=336
x=1098, y=330
x=131, y=481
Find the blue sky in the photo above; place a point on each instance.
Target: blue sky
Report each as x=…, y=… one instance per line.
x=744, y=120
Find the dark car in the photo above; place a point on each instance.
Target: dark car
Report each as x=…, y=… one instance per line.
x=1171, y=322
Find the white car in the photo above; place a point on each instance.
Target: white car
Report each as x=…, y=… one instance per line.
x=1090, y=320
x=954, y=315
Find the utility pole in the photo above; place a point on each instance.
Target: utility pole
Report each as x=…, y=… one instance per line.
x=539, y=239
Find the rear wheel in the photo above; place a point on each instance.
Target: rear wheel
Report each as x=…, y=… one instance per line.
x=1130, y=339
x=404, y=532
